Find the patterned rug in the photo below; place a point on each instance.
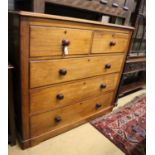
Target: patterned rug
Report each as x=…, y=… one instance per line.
x=126, y=126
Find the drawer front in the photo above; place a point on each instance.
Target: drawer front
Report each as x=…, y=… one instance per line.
x=107, y=42
x=45, y=99
x=70, y=114
x=55, y=71
x=48, y=41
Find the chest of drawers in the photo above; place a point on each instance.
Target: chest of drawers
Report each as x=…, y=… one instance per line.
x=67, y=71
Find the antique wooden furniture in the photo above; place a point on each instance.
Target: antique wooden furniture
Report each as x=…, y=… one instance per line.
x=67, y=71
x=114, y=8
x=135, y=70
x=11, y=116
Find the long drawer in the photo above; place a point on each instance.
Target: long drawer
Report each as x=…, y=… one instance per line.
x=44, y=99
x=110, y=42
x=48, y=41
x=48, y=72
x=52, y=120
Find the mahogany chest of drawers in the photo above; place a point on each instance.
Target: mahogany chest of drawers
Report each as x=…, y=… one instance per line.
x=67, y=71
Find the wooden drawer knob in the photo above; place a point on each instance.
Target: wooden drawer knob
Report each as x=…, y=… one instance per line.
x=98, y=105
x=57, y=119
x=107, y=66
x=63, y=71
x=103, y=1
x=112, y=43
x=60, y=96
x=65, y=42
x=103, y=86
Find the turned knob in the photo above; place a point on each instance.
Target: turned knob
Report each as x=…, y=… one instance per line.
x=112, y=43
x=63, y=71
x=60, y=96
x=107, y=66
x=65, y=42
x=102, y=86
x=98, y=105
x=57, y=119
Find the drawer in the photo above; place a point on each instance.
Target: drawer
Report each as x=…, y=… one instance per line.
x=110, y=42
x=52, y=120
x=47, y=72
x=47, y=41
x=45, y=99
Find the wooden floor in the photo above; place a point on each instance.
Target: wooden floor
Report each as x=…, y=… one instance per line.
x=83, y=140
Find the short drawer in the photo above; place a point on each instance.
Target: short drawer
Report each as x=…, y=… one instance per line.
x=110, y=42
x=52, y=120
x=47, y=72
x=44, y=99
x=50, y=41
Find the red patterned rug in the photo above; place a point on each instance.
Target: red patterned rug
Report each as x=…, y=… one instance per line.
x=126, y=126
